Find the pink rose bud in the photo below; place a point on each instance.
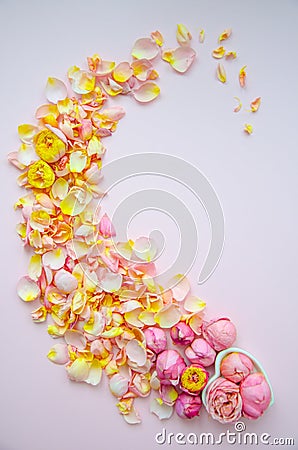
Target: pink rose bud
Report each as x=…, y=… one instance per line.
x=236, y=366
x=220, y=333
x=224, y=401
x=156, y=339
x=193, y=379
x=182, y=334
x=188, y=406
x=256, y=395
x=169, y=366
x=200, y=352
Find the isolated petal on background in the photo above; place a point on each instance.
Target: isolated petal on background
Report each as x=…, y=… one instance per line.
x=242, y=76
x=255, y=104
x=55, y=90
x=194, y=304
x=225, y=34
x=27, y=289
x=136, y=352
x=111, y=282
x=180, y=59
x=54, y=259
x=239, y=106
x=27, y=133
x=202, y=36
x=35, y=267
x=142, y=68
x=26, y=154
x=180, y=287
x=231, y=55
x=160, y=409
x=146, y=92
x=183, y=35
x=77, y=161
x=157, y=37
x=95, y=373
x=122, y=72
x=145, y=48
x=65, y=281
x=221, y=73
x=58, y=354
x=219, y=52
x=248, y=128
x=168, y=316
x=78, y=370
x=132, y=417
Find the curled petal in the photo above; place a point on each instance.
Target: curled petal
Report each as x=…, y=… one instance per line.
x=122, y=72
x=39, y=315
x=55, y=90
x=35, y=268
x=168, y=316
x=146, y=92
x=181, y=287
x=202, y=36
x=95, y=373
x=195, y=323
x=27, y=289
x=221, y=73
x=231, y=55
x=239, y=106
x=168, y=394
x=58, y=354
x=242, y=76
x=142, y=69
x=82, y=82
x=183, y=35
x=136, y=352
x=60, y=188
x=132, y=417
x=248, y=128
x=145, y=48
x=157, y=37
x=219, y=52
x=194, y=304
x=225, y=34
x=76, y=339
x=180, y=59
x=112, y=88
x=54, y=259
x=160, y=409
x=255, y=104
x=78, y=370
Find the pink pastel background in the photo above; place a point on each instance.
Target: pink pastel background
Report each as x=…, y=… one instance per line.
x=255, y=283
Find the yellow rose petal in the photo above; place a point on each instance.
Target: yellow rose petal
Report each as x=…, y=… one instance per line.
x=221, y=73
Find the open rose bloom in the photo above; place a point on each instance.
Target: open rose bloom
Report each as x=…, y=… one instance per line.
x=224, y=402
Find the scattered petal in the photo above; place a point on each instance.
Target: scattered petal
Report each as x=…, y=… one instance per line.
x=180, y=59
x=27, y=133
x=55, y=90
x=202, y=36
x=194, y=304
x=145, y=48
x=54, y=259
x=77, y=161
x=231, y=55
x=255, y=104
x=180, y=287
x=160, y=409
x=242, y=76
x=58, y=354
x=221, y=73
x=75, y=201
x=65, y=281
x=146, y=92
x=183, y=35
x=111, y=282
x=225, y=34
x=136, y=352
x=168, y=316
x=78, y=370
x=132, y=417
x=118, y=385
x=157, y=37
x=239, y=106
x=35, y=268
x=76, y=339
x=248, y=128
x=27, y=289
x=106, y=227
x=122, y=72
x=95, y=373
x=219, y=52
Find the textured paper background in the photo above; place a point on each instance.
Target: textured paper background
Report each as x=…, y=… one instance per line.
x=255, y=177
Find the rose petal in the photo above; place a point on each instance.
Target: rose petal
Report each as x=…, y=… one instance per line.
x=136, y=352
x=96, y=324
x=54, y=259
x=58, y=354
x=105, y=67
x=194, y=304
x=239, y=106
x=221, y=73
x=35, y=267
x=255, y=104
x=26, y=154
x=106, y=227
x=111, y=282
x=157, y=37
x=60, y=188
x=160, y=409
x=145, y=48
x=122, y=72
x=132, y=417
x=76, y=339
x=118, y=385
x=145, y=248
x=219, y=52
x=27, y=133
x=180, y=287
x=168, y=316
x=202, y=36
x=27, y=289
x=95, y=373
x=146, y=92
x=55, y=90
x=248, y=128
x=180, y=59
x=183, y=35
x=65, y=281
x=78, y=370
x=225, y=34
x=231, y=55
x=242, y=76
x=77, y=161
x=75, y=201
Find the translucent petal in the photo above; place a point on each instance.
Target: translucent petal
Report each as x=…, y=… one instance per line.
x=75, y=201
x=105, y=67
x=180, y=287
x=114, y=113
x=255, y=104
x=183, y=35
x=78, y=370
x=221, y=73
x=136, y=352
x=39, y=315
x=54, y=259
x=95, y=147
x=132, y=417
x=168, y=394
x=145, y=248
x=122, y=72
x=76, y=339
x=26, y=154
x=35, y=268
x=96, y=324
x=194, y=304
x=27, y=133
x=27, y=289
x=142, y=68
x=55, y=90
x=195, y=323
x=202, y=36
x=112, y=88
x=225, y=34
x=145, y=48
x=157, y=37
x=95, y=373
x=118, y=385
x=146, y=92
x=60, y=188
x=77, y=161
x=160, y=409
x=219, y=52
x=180, y=59
x=111, y=282
x=65, y=281
x=82, y=82
x=168, y=316
x=147, y=317
x=58, y=354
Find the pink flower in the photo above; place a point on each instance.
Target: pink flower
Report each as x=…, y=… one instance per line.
x=188, y=406
x=220, y=333
x=256, y=395
x=156, y=339
x=182, y=334
x=193, y=379
x=200, y=352
x=169, y=366
x=236, y=366
x=224, y=401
